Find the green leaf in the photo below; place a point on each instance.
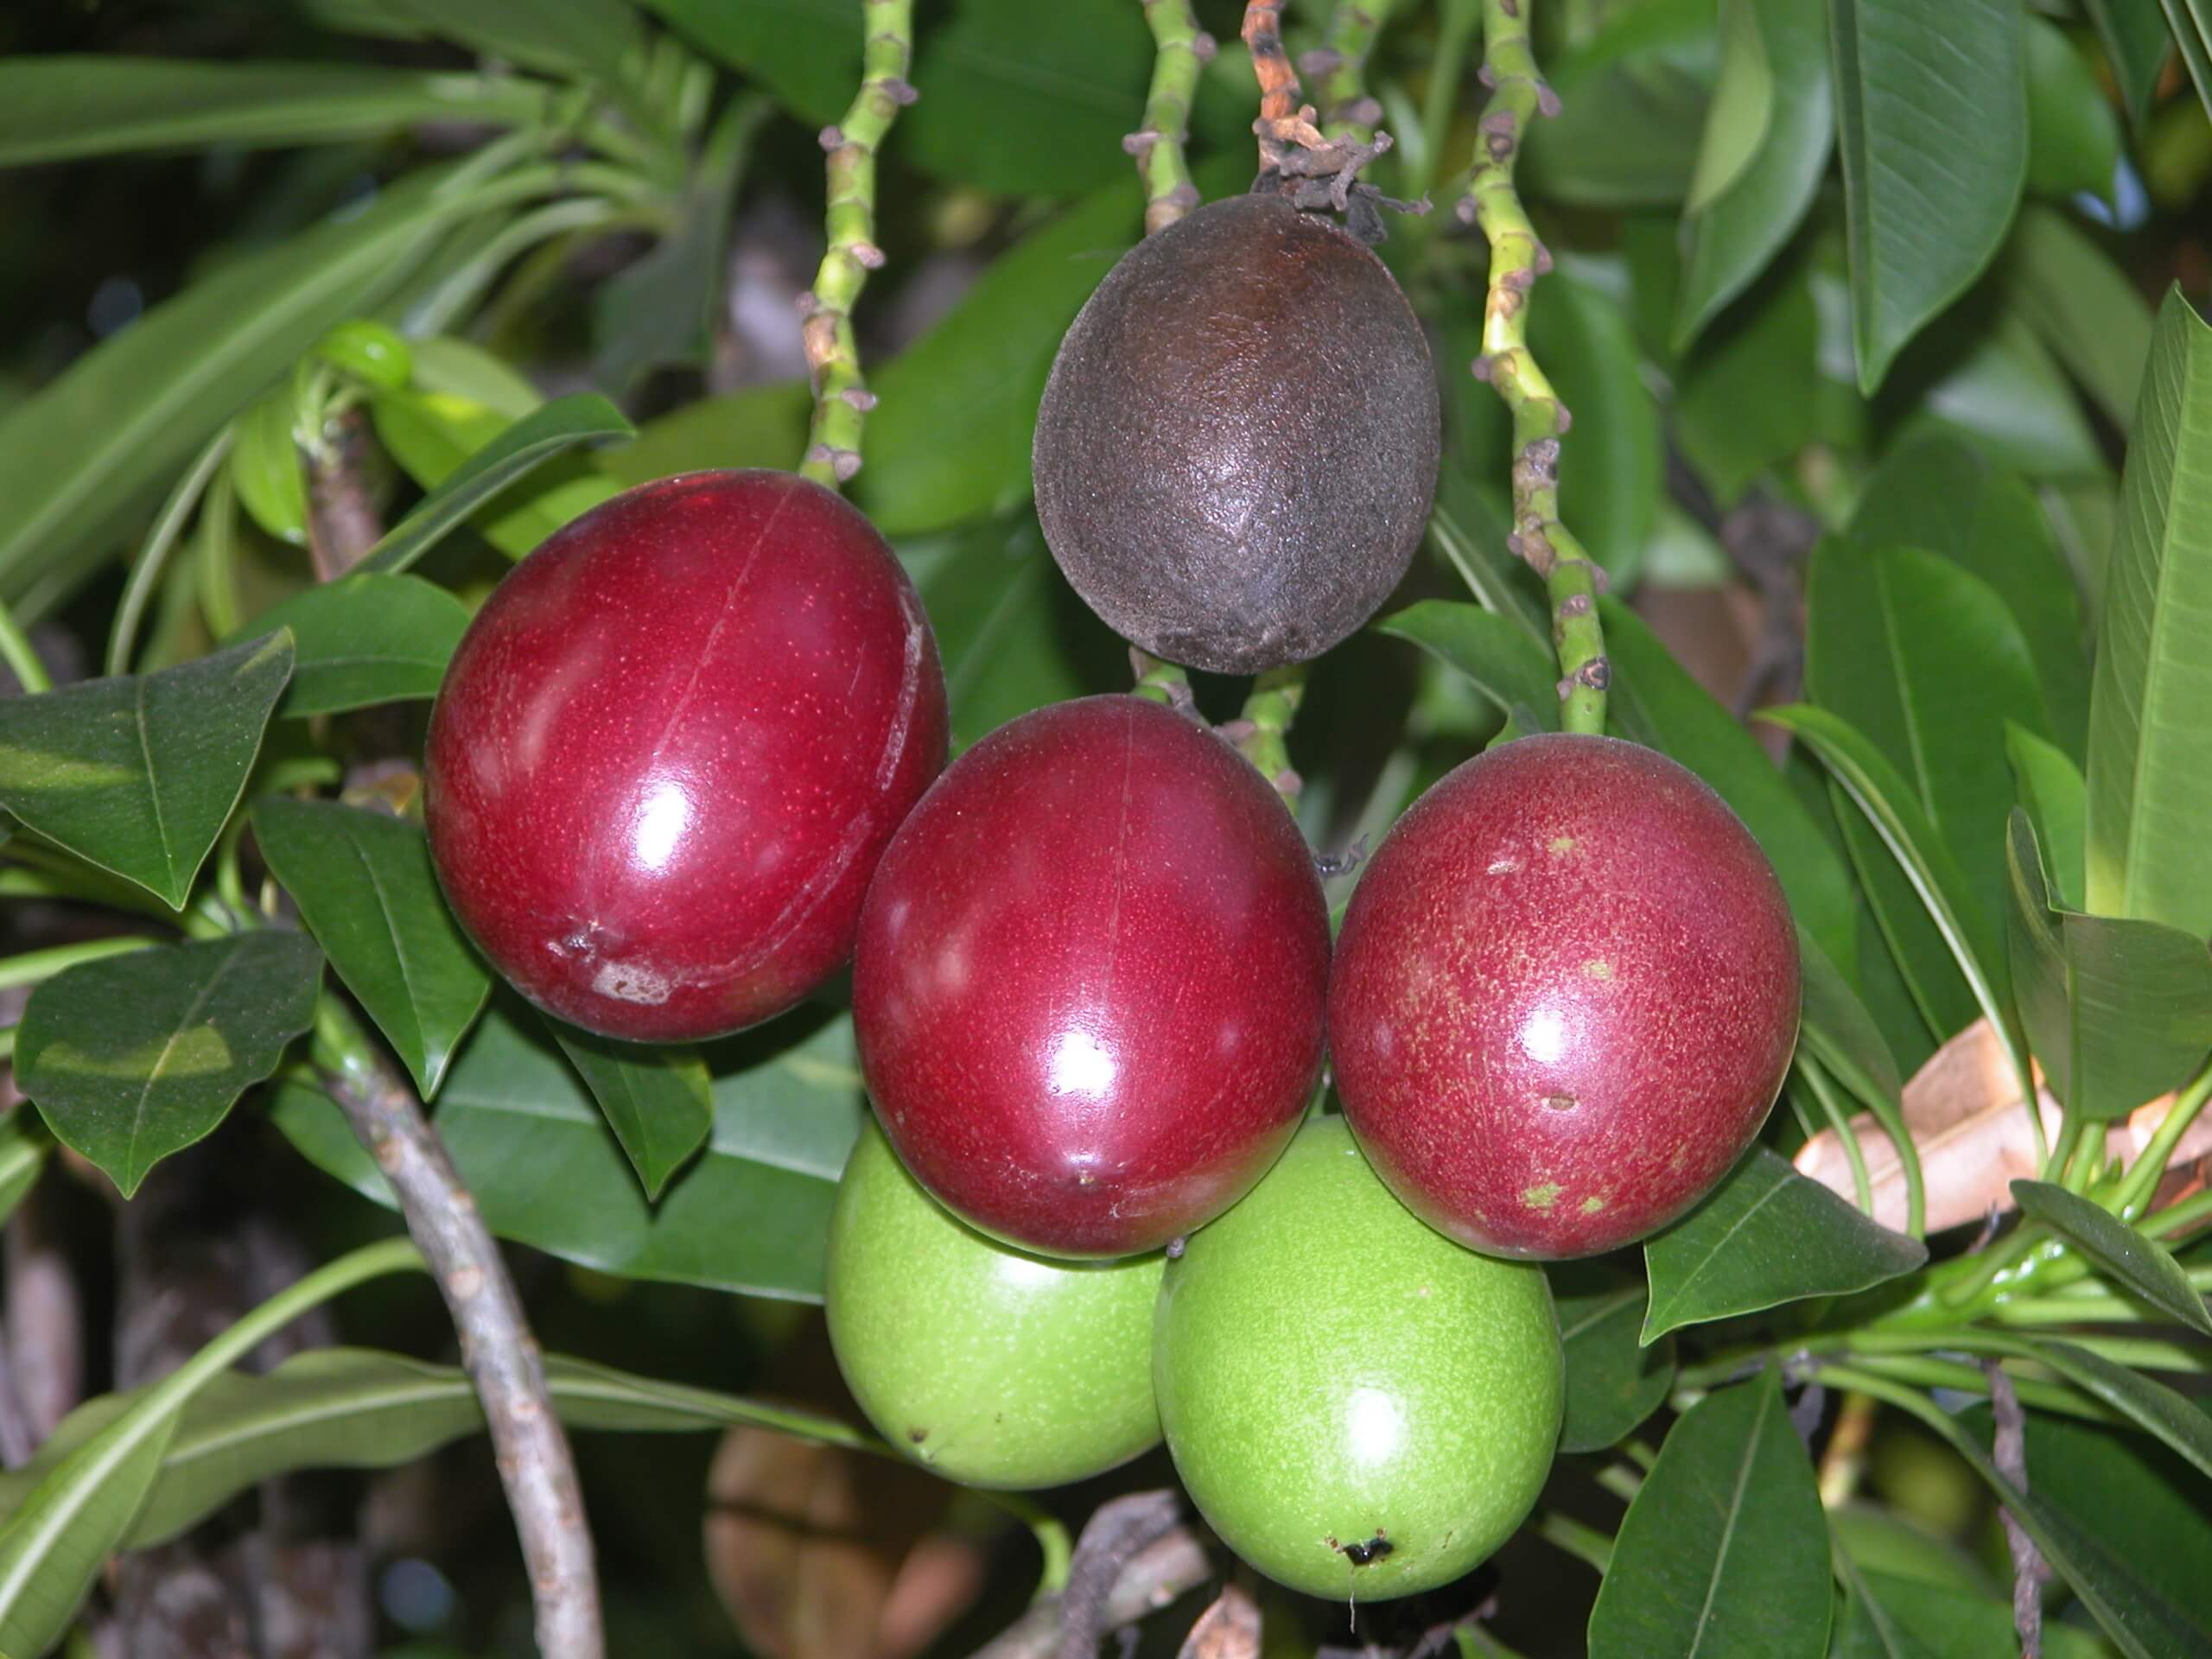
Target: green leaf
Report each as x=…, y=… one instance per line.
x=657, y=1100
x=357, y=1408
x=1736, y=120
x=2136, y=44
x=750, y=1214
x=529, y=443
x=2074, y=141
x=2172, y=1417
x=949, y=439
x=1613, y=1382
x=138, y=774
x=1491, y=575
x=132, y=1057
x=22, y=1157
x=265, y=468
x=1632, y=110
x=1495, y=654
x=54, y=108
x=1767, y=1236
x=1747, y=399
x=2192, y=26
x=366, y=889
x=761, y=426
x=362, y=641
x=2150, y=748
x=2130, y=1260
x=1893, y=1617
x=1724, y=1554
x=1658, y=704
x=1888, y=806
x=1916, y=79
x=2055, y=800
x=2082, y=305
x=2118, y=1011
x=1996, y=385
x=431, y=434
x=1840, y=1030
x=461, y=368
x=591, y=39
x=1609, y=482
x=1940, y=492
x=1729, y=239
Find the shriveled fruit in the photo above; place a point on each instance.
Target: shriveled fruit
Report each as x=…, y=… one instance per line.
x=671, y=747
x=1565, y=997
x=1238, y=445
x=990, y=1366
x=1360, y=1407
x=1089, y=987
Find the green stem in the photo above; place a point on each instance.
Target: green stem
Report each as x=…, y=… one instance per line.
x=1840, y=1120
x=21, y=657
x=1159, y=682
x=1051, y=1534
x=1572, y=581
x=1181, y=50
x=1262, y=730
x=2142, y=1179
x=34, y=966
x=833, y=449
x=146, y=573
x=438, y=310
x=2176, y=1217
x=2058, y=1164
x=1623, y=1482
x=1585, y=1544
x=218, y=550
x=1347, y=109
x=1970, y=1379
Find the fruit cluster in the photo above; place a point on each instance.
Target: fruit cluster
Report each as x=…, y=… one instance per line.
x=686, y=765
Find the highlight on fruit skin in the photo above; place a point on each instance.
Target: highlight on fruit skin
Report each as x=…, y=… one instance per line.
x=1088, y=990
x=1360, y=1407
x=1237, y=447
x=671, y=748
x=985, y=1364
x=1565, y=997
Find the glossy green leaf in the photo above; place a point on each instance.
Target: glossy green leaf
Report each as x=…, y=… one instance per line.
x=54, y=108
x=1940, y=492
x=363, y=640
x=266, y=470
x=1736, y=120
x=2150, y=747
x=1609, y=475
x=2082, y=306
x=2192, y=26
x=2055, y=800
x=657, y=1100
x=949, y=439
x=368, y=351
x=1993, y=381
x=1840, y=1030
x=1614, y=1382
x=2128, y=1260
x=1767, y=1236
x=1657, y=701
x=132, y=1057
x=806, y=52
x=1916, y=79
x=2150, y=1405
x=592, y=39
x=750, y=1214
x=2136, y=44
x=1724, y=1554
x=2073, y=141
x=366, y=889
x=1729, y=239
x=461, y=368
x=490, y=469
x=761, y=426
x=2118, y=1011
x=1746, y=399
x=1894, y=1617
x=22, y=1157
x=1495, y=655
x=359, y=1409
x=137, y=774
x=1633, y=107
x=1496, y=579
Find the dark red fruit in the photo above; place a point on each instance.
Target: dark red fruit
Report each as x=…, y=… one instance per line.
x=672, y=747
x=1090, y=979
x=1565, y=995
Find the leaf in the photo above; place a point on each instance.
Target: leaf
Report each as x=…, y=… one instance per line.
x=132, y=1057
x=55, y=108
x=366, y=889
x=1885, y=800
x=1632, y=101
x=461, y=368
x=1767, y=1236
x=1916, y=79
x=2171, y=1416
x=23, y=1158
x=265, y=467
x=1490, y=575
x=1609, y=484
x=137, y=774
x=1729, y=239
x=1613, y=1382
x=2136, y=44
x=2082, y=305
x=1893, y=1617
x=761, y=426
x=1658, y=704
x=1996, y=385
x=2055, y=799
x=1940, y=492
x=432, y=435
x=2150, y=768
x=2073, y=142
x=1840, y=1032
x=657, y=1100
x=591, y=39
x=1495, y=655
x=2130, y=1260
x=2118, y=1011
x=1747, y=399
x=529, y=443
x=363, y=641
x=1724, y=1552
x=2192, y=27
x=750, y=1214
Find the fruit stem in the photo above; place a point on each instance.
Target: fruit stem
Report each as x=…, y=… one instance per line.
x=1164, y=683
x=2142, y=1179
x=1572, y=581
x=1050, y=1533
x=1587, y=1544
x=21, y=657
x=833, y=449
x=1183, y=47
x=1262, y=733
x=1341, y=65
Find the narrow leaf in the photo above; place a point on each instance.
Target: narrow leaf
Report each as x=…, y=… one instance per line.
x=2172, y=1417
x=363, y=641
x=2055, y=800
x=433, y=434
x=658, y=1100
x=1496, y=654
x=2129, y=1260
x=1613, y=1382
x=2136, y=44
x=2082, y=303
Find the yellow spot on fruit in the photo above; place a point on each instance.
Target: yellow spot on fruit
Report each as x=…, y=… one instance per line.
x=1592, y=1206
x=1561, y=846
x=1543, y=1198
x=1598, y=968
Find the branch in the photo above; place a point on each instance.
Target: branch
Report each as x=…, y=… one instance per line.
x=1183, y=47
x=1134, y=1558
x=496, y=1348
x=833, y=450
x=1292, y=149
x=343, y=522
x=1516, y=259
x=1341, y=67
x=2009, y=1451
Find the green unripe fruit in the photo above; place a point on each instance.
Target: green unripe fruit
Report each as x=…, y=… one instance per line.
x=990, y=1366
x=1359, y=1407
